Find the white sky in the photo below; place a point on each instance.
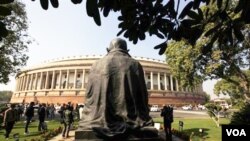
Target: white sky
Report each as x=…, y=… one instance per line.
x=68, y=31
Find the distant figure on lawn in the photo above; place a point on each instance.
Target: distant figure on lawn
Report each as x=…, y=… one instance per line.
x=29, y=115
x=167, y=114
x=10, y=116
x=67, y=121
x=41, y=116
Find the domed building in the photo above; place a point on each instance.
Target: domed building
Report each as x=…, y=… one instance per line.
x=64, y=80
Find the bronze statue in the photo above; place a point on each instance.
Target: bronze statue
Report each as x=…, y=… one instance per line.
x=116, y=96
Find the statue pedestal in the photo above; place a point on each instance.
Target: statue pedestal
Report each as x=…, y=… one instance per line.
x=144, y=134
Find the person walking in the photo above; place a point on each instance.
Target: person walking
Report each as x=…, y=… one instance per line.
x=10, y=117
x=41, y=117
x=29, y=115
x=62, y=108
x=167, y=114
x=80, y=112
x=67, y=121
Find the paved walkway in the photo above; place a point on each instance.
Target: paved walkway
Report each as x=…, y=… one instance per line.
x=72, y=137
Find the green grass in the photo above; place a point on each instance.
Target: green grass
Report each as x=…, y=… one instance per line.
x=33, y=129
x=211, y=131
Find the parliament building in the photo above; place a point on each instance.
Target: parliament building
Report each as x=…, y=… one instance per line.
x=63, y=80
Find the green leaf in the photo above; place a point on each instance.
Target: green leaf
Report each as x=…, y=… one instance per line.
x=200, y=13
x=92, y=11
x=159, y=35
x=97, y=18
x=162, y=47
x=44, y=4
x=196, y=4
x=76, y=1
x=142, y=36
x=186, y=9
x=54, y=3
x=212, y=30
x=6, y=1
x=3, y=30
x=238, y=34
x=162, y=50
x=219, y=4
x=239, y=7
x=4, y=11
x=120, y=32
x=194, y=15
x=91, y=5
x=106, y=11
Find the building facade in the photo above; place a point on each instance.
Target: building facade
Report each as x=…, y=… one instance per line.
x=64, y=80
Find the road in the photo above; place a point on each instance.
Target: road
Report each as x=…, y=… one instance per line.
x=184, y=114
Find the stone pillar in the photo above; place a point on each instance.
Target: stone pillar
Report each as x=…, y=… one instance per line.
x=41, y=81
x=171, y=81
x=16, y=87
x=83, y=78
x=46, y=80
x=159, y=80
x=19, y=83
x=151, y=80
x=27, y=82
x=21, y=86
x=165, y=81
x=67, y=81
x=31, y=82
x=60, y=79
x=74, y=86
x=53, y=80
x=24, y=83
x=36, y=80
x=177, y=84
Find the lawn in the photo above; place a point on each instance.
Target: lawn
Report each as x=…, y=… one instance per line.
x=211, y=131
x=33, y=129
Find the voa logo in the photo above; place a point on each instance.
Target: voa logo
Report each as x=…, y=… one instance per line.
x=236, y=132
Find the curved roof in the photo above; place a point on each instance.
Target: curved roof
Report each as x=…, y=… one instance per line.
x=89, y=59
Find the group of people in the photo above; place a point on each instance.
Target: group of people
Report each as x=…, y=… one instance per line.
x=11, y=115
x=14, y=113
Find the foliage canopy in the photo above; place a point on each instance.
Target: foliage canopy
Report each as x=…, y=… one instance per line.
x=13, y=43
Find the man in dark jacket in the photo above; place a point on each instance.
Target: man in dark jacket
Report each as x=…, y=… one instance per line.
x=41, y=116
x=167, y=114
x=67, y=121
x=29, y=114
x=10, y=117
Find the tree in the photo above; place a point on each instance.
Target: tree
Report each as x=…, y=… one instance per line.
x=3, y=13
x=242, y=117
x=233, y=90
x=14, y=45
x=214, y=28
x=161, y=18
x=5, y=95
x=204, y=60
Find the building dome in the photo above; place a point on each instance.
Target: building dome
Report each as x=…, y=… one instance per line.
x=64, y=80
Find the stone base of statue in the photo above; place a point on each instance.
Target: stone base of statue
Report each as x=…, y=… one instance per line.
x=143, y=134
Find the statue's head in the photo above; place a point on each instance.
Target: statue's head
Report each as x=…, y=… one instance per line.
x=117, y=44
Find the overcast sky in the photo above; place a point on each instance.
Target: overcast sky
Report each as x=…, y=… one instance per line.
x=68, y=31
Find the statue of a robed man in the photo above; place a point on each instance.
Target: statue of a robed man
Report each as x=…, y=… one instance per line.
x=116, y=103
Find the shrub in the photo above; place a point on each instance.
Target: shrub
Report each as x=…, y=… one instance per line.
x=242, y=117
x=180, y=134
